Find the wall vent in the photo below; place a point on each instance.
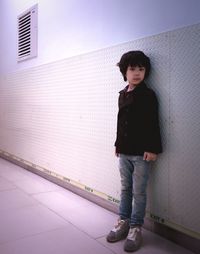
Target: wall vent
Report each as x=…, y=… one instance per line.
x=27, y=34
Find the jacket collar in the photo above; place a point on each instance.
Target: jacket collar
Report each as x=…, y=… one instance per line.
x=139, y=87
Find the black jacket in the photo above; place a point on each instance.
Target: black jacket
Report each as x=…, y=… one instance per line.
x=138, y=124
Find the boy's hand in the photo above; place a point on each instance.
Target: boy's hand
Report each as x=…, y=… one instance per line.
x=149, y=156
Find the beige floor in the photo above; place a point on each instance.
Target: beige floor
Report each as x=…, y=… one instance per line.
x=39, y=217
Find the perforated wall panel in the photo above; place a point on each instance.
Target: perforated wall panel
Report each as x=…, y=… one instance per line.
x=62, y=116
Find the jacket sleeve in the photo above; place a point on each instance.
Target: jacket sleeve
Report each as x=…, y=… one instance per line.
x=152, y=134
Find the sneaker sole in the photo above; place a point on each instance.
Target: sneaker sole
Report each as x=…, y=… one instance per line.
x=117, y=239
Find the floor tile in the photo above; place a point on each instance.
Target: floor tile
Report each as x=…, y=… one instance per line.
x=15, y=173
x=58, y=202
x=90, y=218
x=6, y=185
x=32, y=186
x=14, y=199
x=27, y=221
x=67, y=240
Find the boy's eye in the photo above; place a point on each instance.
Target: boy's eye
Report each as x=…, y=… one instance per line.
x=136, y=68
x=141, y=68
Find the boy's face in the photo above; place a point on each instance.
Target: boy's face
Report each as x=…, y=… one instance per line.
x=135, y=75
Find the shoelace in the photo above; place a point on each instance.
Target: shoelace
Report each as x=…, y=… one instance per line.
x=133, y=233
x=118, y=225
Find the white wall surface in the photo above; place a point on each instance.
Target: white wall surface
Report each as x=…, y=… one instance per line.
x=72, y=27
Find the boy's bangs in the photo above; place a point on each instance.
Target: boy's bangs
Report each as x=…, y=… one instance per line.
x=136, y=64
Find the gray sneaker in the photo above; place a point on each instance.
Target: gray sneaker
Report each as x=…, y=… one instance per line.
x=119, y=232
x=134, y=239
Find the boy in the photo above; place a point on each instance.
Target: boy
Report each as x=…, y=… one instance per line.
x=137, y=144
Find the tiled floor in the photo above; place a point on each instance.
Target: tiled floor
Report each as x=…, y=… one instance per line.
x=39, y=217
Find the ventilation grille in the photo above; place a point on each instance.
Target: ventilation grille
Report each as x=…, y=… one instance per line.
x=27, y=34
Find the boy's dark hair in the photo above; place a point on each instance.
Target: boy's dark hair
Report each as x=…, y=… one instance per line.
x=134, y=58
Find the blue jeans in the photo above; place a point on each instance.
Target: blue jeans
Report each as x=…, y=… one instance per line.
x=134, y=172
